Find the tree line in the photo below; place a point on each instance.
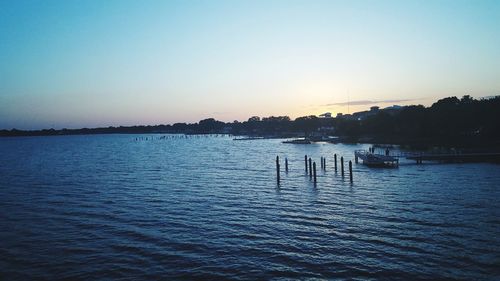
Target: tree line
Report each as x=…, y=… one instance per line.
x=449, y=119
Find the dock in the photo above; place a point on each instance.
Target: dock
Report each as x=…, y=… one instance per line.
x=456, y=157
x=392, y=159
x=376, y=160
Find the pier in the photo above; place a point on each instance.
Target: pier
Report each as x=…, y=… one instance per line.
x=392, y=159
x=377, y=160
x=456, y=157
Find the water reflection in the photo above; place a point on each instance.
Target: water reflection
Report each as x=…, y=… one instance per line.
x=82, y=207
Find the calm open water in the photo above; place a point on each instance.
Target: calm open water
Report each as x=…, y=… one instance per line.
x=109, y=207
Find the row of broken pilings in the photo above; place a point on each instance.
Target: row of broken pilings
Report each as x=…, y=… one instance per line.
x=177, y=136
x=310, y=167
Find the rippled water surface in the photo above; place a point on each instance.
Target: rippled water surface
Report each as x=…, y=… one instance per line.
x=109, y=207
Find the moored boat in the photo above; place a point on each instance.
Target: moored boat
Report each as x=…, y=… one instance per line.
x=376, y=160
x=248, y=138
x=298, y=141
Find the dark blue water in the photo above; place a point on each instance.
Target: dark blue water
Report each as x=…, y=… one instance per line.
x=109, y=207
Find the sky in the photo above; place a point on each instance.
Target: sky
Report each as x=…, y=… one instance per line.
x=73, y=64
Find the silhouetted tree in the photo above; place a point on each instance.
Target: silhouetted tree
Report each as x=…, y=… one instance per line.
x=306, y=124
x=209, y=125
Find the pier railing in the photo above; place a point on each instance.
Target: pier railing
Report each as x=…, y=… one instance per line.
x=453, y=156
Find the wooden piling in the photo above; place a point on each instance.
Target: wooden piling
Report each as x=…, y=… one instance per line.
x=305, y=161
x=335, y=161
x=342, y=165
x=350, y=170
x=321, y=163
x=324, y=163
x=278, y=169
x=314, y=169
x=286, y=165
x=310, y=168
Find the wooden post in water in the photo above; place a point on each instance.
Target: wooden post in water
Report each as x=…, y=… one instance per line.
x=335, y=161
x=342, y=165
x=305, y=161
x=314, y=169
x=278, y=169
x=324, y=163
x=321, y=163
x=350, y=170
x=286, y=165
x=310, y=168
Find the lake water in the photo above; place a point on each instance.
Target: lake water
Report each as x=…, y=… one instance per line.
x=110, y=207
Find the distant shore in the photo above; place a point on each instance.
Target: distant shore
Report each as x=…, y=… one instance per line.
x=450, y=122
x=469, y=143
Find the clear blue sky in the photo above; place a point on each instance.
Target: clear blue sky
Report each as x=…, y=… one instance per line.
x=100, y=63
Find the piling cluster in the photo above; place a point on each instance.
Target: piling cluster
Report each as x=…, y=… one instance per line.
x=310, y=167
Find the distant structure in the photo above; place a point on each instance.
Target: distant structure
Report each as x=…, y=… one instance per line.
x=393, y=110
x=345, y=116
x=394, y=107
x=227, y=129
x=373, y=111
x=325, y=115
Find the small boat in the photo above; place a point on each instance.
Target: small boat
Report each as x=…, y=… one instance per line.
x=298, y=141
x=376, y=160
x=323, y=139
x=249, y=138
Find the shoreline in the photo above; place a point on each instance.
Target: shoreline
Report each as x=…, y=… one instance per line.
x=469, y=142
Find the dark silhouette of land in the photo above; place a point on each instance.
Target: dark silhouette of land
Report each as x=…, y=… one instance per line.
x=449, y=121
